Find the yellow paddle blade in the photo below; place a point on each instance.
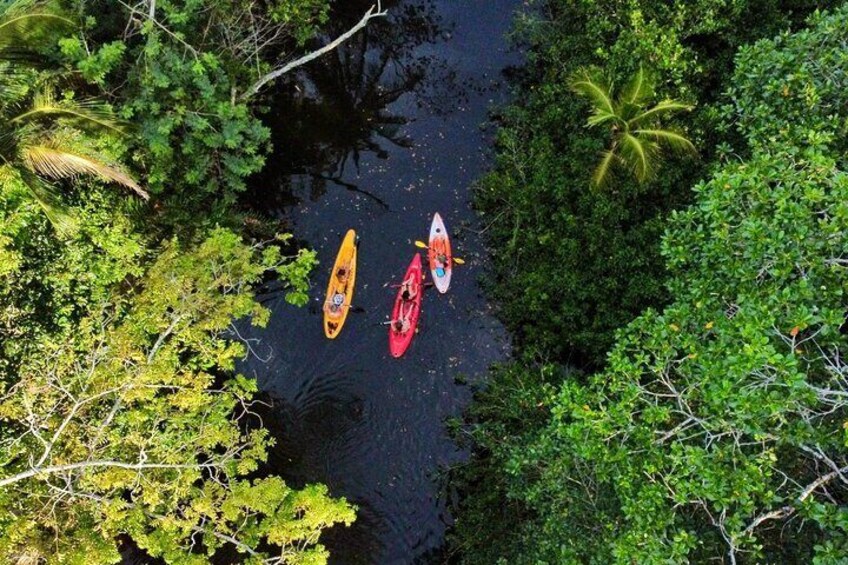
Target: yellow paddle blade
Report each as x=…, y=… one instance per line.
x=421, y=244
x=458, y=261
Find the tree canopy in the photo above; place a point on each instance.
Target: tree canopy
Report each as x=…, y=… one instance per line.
x=121, y=410
x=716, y=429
x=132, y=424
x=589, y=261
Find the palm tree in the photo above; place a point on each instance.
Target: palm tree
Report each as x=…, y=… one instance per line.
x=27, y=29
x=637, y=136
x=43, y=139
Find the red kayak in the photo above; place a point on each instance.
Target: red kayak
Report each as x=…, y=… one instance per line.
x=407, y=309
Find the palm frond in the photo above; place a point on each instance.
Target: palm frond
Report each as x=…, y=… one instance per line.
x=25, y=34
x=10, y=71
x=676, y=141
x=92, y=113
x=45, y=194
x=16, y=81
x=589, y=84
x=638, y=154
x=639, y=88
x=600, y=117
x=602, y=172
x=58, y=164
x=664, y=107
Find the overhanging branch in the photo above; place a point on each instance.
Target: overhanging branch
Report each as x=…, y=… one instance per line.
x=375, y=11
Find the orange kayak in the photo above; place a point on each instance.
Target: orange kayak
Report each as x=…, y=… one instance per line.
x=340, y=290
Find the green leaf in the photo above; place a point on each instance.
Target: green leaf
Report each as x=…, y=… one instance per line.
x=589, y=84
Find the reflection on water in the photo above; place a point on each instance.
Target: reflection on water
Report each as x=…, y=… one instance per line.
x=377, y=136
x=340, y=107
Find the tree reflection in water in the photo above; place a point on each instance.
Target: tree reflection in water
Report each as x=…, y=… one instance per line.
x=337, y=108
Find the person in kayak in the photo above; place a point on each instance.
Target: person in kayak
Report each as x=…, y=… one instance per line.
x=441, y=264
x=335, y=304
x=402, y=323
x=341, y=275
x=408, y=288
x=440, y=257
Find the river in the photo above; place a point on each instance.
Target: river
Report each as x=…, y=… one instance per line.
x=376, y=137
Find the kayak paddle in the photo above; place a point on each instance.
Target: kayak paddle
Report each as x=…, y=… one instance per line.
x=422, y=245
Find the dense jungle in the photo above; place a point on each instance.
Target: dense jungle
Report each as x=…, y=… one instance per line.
x=423, y=281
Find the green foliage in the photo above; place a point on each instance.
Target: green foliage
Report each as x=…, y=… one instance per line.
x=120, y=410
x=694, y=426
x=717, y=429
x=27, y=29
x=94, y=67
x=800, y=79
x=125, y=425
x=637, y=137
x=305, y=16
x=196, y=141
x=510, y=411
x=43, y=137
x=689, y=43
x=47, y=142
x=181, y=79
x=48, y=284
x=572, y=266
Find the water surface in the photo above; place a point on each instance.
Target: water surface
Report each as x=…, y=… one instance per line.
x=376, y=137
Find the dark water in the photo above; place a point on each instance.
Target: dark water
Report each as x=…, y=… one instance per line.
x=377, y=137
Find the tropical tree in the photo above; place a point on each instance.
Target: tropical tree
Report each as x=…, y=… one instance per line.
x=133, y=421
x=27, y=30
x=716, y=431
x=42, y=138
x=637, y=135
x=46, y=142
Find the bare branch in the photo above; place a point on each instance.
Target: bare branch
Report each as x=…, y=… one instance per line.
x=162, y=337
x=787, y=511
x=51, y=469
x=373, y=12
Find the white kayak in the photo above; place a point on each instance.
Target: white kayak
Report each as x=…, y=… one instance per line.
x=441, y=260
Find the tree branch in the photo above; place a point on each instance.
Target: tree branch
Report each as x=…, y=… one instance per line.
x=375, y=11
x=243, y=547
x=787, y=511
x=162, y=337
x=50, y=469
x=150, y=15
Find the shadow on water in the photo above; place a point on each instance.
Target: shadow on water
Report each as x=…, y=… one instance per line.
x=331, y=113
